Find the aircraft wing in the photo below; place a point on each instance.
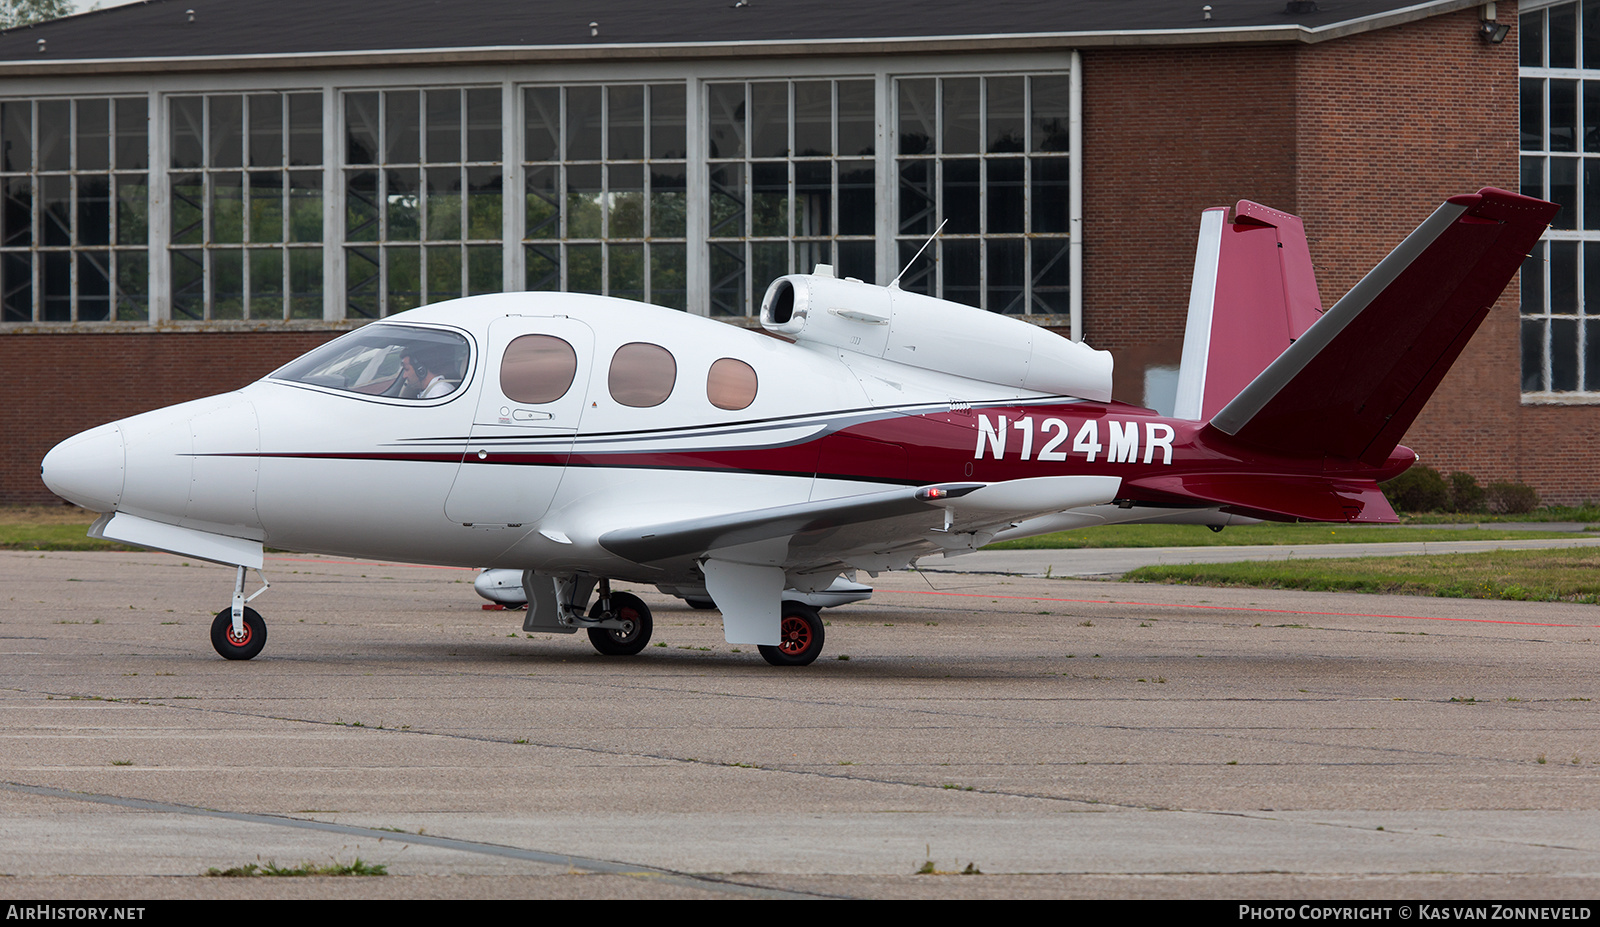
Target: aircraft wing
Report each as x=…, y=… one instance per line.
x=870, y=531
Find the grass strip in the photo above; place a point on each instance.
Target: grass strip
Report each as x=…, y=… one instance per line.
x=1568, y=575
x=1246, y=535
x=53, y=537
x=254, y=870
x=50, y=527
x=1588, y=512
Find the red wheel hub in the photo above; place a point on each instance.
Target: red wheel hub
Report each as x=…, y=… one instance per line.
x=240, y=639
x=795, y=635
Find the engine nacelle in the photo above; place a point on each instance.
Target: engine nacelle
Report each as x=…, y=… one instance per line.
x=933, y=334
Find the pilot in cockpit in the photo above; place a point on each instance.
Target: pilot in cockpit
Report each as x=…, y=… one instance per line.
x=426, y=371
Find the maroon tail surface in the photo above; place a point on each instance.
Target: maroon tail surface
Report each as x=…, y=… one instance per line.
x=1356, y=380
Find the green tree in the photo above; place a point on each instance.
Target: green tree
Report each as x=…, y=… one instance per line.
x=22, y=12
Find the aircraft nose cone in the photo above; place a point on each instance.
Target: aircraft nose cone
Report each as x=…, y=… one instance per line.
x=86, y=469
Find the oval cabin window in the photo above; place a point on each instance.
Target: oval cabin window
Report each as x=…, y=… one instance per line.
x=537, y=368
x=642, y=375
x=731, y=384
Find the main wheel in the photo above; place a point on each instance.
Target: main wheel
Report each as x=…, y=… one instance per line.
x=244, y=646
x=801, y=636
x=629, y=641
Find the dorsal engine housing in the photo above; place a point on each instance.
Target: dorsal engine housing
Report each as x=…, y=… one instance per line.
x=932, y=334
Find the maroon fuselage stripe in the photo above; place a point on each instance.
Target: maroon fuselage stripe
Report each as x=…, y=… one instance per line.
x=950, y=445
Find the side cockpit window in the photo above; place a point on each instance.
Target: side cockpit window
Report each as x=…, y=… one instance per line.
x=394, y=361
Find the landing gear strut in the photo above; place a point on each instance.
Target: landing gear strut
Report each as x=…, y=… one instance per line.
x=238, y=633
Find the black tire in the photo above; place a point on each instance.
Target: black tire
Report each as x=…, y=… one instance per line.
x=802, y=637
x=255, y=634
x=700, y=603
x=628, y=607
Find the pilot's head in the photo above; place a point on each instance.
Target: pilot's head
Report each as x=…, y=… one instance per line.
x=422, y=364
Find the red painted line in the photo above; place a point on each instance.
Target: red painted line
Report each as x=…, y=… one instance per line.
x=1248, y=608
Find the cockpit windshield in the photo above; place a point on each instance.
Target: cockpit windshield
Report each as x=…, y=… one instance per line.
x=396, y=361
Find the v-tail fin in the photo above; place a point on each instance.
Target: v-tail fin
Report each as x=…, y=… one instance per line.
x=1254, y=293
x=1351, y=385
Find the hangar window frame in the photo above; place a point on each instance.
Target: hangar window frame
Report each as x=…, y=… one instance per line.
x=1007, y=247
x=1559, y=117
x=778, y=203
x=245, y=221
x=70, y=203
x=506, y=247
x=606, y=205
x=436, y=233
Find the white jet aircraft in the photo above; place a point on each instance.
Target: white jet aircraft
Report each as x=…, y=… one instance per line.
x=582, y=439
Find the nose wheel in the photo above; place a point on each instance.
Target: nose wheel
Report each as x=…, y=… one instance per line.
x=245, y=643
x=243, y=637
x=800, y=637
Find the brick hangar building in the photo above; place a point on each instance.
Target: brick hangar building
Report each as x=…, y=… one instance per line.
x=192, y=192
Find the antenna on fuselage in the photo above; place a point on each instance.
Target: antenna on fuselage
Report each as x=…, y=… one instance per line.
x=895, y=283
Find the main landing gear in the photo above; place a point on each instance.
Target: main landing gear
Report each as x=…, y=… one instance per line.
x=238, y=633
x=626, y=610
x=801, y=636
x=620, y=624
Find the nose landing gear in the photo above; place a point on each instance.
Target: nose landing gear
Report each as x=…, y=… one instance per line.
x=245, y=643
x=238, y=633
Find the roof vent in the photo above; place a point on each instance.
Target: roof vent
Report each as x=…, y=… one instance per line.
x=41, y=46
x=594, y=29
x=190, y=14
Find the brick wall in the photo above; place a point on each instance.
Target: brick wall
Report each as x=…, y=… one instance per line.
x=1388, y=158
x=1166, y=133
x=70, y=382
x=1362, y=137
